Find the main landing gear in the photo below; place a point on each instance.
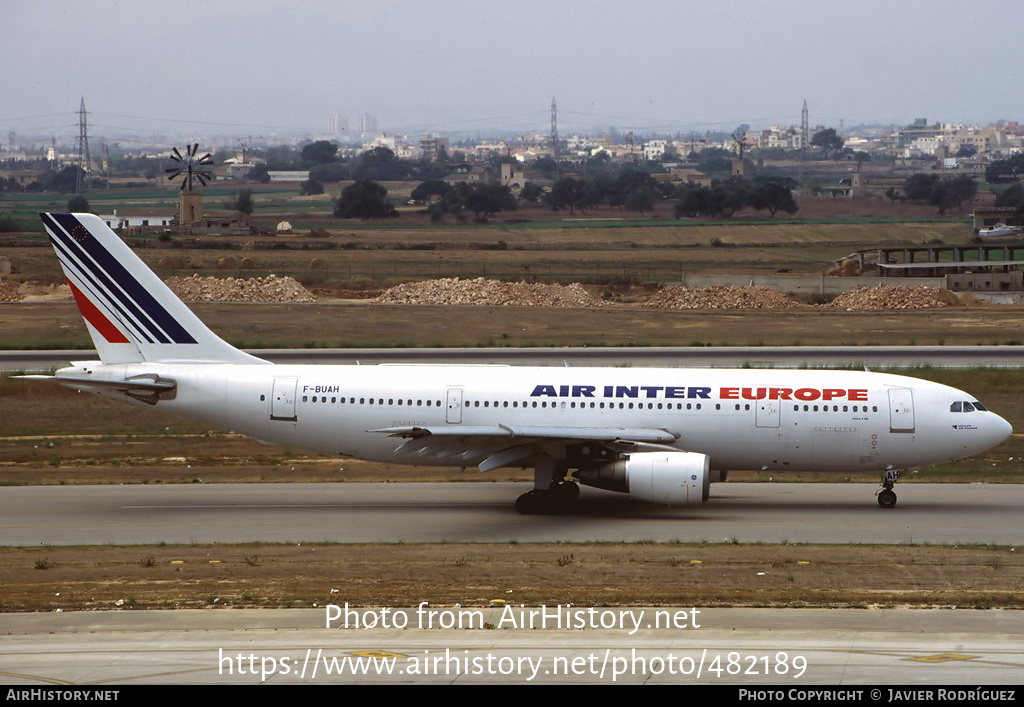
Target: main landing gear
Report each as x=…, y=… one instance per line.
x=554, y=499
x=551, y=493
x=886, y=496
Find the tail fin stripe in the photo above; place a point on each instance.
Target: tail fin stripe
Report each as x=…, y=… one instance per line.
x=107, y=329
x=93, y=291
x=119, y=284
x=90, y=283
x=105, y=284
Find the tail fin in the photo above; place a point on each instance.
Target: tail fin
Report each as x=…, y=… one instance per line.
x=131, y=314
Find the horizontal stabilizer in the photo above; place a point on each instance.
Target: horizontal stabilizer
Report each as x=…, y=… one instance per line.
x=146, y=388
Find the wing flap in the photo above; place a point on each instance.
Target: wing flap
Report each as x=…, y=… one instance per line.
x=494, y=446
x=509, y=432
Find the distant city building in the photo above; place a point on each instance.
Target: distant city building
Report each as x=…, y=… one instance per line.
x=337, y=123
x=366, y=123
x=433, y=146
x=654, y=149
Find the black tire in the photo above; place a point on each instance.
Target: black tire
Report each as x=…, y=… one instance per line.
x=887, y=498
x=532, y=503
x=565, y=491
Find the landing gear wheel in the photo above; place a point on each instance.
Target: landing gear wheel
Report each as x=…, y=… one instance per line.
x=533, y=503
x=564, y=492
x=887, y=498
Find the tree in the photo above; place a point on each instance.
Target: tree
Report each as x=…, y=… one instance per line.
x=641, y=199
x=364, y=199
x=78, y=205
x=310, y=187
x=692, y=199
x=380, y=163
x=773, y=196
x=243, y=202
x=1005, y=170
x=64, y=181
x=429, y=188
x=940, y=193
x=488, y=199
x=828, y=141
x=1014, y=198
x=330, y=172
x=567, y=191
x=860, y=157
x=918, y=186
x=595, y=191
x=260, y=173
x=628, y=180
x=713, y=159
x=319, y=152
x=531, y=192
x=947, y=192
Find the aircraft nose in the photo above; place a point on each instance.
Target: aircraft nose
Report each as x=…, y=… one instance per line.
x=1001, y=429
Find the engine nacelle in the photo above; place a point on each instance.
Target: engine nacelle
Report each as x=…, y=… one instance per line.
x=674, y=478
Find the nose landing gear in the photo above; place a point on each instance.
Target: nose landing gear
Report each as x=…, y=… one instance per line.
x=886, y=496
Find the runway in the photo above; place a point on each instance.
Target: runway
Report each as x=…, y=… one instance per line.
x=483, y=512
x=791, y=649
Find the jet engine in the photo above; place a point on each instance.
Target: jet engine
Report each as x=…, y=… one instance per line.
x=674, y=478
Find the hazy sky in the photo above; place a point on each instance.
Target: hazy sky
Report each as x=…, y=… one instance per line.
x=265, y=67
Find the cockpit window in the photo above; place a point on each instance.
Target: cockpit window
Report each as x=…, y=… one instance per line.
x=956, y=407
x=965, y=406
x=979, y=406
x=968, y=407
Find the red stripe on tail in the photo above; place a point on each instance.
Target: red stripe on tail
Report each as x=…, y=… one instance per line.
x=95, y=317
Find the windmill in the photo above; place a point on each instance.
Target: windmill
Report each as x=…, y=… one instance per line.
x=191, y=169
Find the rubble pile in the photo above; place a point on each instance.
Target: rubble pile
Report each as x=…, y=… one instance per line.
x=719, y=297
x=239, y=289
x=489, y=292
x=9, y=293
x=895, y=297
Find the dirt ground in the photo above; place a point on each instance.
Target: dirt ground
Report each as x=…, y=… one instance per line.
x=59, y=325
x=594, y=574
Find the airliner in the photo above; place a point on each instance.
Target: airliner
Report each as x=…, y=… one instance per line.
x=660, y=435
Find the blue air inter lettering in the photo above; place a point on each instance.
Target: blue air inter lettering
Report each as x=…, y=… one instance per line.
x=648, y=392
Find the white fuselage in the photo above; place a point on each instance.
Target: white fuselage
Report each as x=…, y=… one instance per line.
x=742, y=419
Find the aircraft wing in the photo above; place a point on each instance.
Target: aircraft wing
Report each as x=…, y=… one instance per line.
x=493, y=446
